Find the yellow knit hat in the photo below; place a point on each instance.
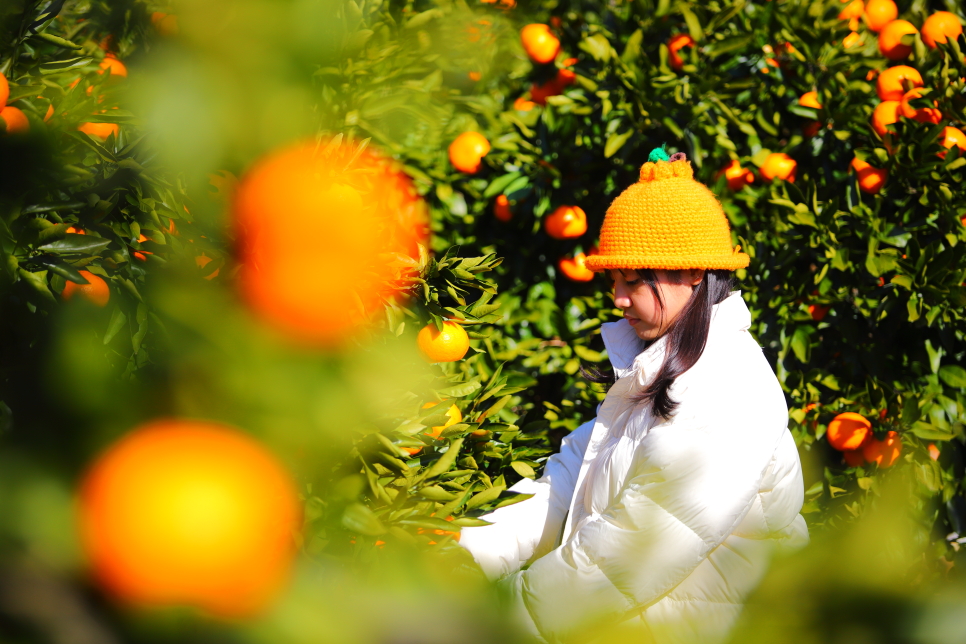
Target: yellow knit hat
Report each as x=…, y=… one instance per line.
x=666, y=220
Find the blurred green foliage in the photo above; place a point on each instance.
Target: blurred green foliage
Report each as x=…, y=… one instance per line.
x=242, y=78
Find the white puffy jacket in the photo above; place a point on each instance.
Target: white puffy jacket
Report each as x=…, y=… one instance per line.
x=664, y=525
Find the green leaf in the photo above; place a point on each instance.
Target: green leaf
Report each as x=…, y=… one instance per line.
x=446, y=461
x=436, y=493
x=523, y=469
x=953, y=376
x=118, y=320
x=76, y=244
x=615, y=142
x=361, y=519
x=57, y=40
x=59, y=66
x=484, y=497
x=461, y=390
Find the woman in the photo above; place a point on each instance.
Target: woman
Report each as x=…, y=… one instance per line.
x=662, y=513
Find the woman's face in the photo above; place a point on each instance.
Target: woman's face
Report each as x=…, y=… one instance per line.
x=640, y=305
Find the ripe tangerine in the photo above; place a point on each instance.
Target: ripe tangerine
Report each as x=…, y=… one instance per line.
x=871, y=180
x=364, y=215
x=779, y=165
x=810, y=99
x=539, y=43
x=100, y=130
x=453, y=416
x=501, y=208
x=885, y=114
x=466, y=152
x=879, y=13
x=737, y=176
x=883, y=453
x=447, y=345
x=848, y=431
x=189, y=512
x=566, y=222
x=953, y=136
x=14, y=120
x=921, y=114
x=891, y=38
x=894, y=82
x=676, y=44
x=939, y=27
x=4, y=91
x=576, y=269
x=853, y=10
x=95, y=291
x=113, y=67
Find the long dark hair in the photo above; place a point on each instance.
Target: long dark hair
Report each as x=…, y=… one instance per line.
x=686, y=337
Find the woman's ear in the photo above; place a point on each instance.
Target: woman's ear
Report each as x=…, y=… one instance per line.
x=696, y=275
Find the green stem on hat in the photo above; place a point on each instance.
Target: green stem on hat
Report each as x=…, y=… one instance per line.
x=658, y=154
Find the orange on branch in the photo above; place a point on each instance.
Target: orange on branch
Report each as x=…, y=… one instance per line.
x=575, y=269
x=186, y=512
x=853, y=10
x=848, y=431
x=852, y=40
x=853, y=457
x=447, y=345
x=921, y=114
x=810, y=99
x=939, y=27
x=779, y=165
x=523, y=105
x=95, y=291
x=100, y=130
x=737, y=176
x=871, y=180
x=539, y=43
x=895, y=39
x=501, y=208
x=953, y=136
x=113, y=67
x=885, y=114
x=453, y=416
x=566, y=222
x=894, y=82
x=466, y=152
x=879, y=13
x=4, y=91
x=676, y=44
x=14, y=121
x=883, y=453
x=818, y=311
x=166, y=24
x=363, y=215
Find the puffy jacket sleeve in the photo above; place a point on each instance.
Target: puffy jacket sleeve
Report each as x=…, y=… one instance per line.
x=502, y=548
x=691, y=483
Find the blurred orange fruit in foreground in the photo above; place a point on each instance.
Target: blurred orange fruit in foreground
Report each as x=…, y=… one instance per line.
x=447, y=345
x=566, y=222
x=810, y=99
x=165, y=23
x=100, y=130
x=95, y=291
x=737, y=176
x=953, y=136
x=848, y=431
x=466, y=152
x=113, y=67
x=501, y=208
x=14, y=121
x=779, y=165
x=539, y=43
x=184, y=512
x=327, y=232
x=879, y=13
x=883, y=453
x=4, y=91
x=939, y=27
x=885, y=114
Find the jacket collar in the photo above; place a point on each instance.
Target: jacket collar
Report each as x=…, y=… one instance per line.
x=627, y=353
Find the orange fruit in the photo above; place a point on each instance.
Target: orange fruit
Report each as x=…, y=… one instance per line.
x=811, y=128
x=466, y=152
x=779, y=165
x=737, y=176
x=4, y=91
x=853, y=457
x=190, y=512
x=95, y=291
x=447, y=345
x=100, y=130
x=165, y=23
x=453, y=415
x=575, y=269
x=113, y=67
x=50, y=112
x=501, y=208
x=364, y=207
x=921, y=114
x=566, y=222
x=539, y=43
x=810, y=99
x=852, y=40
x=883, y=453
x=676, y=44
x=818, y=311
x=939, y=27
x=870, y=180
x=885, y=113
x=75, y=230
x=848, y=431
x=893, y=39
x=540, y=93
x=953, y=136
x=523, y=105
x=933, y=451
x=853, y=10
x=14, y=121
x=879, y=13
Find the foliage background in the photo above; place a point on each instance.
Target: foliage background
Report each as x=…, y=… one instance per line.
x=242, y=78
